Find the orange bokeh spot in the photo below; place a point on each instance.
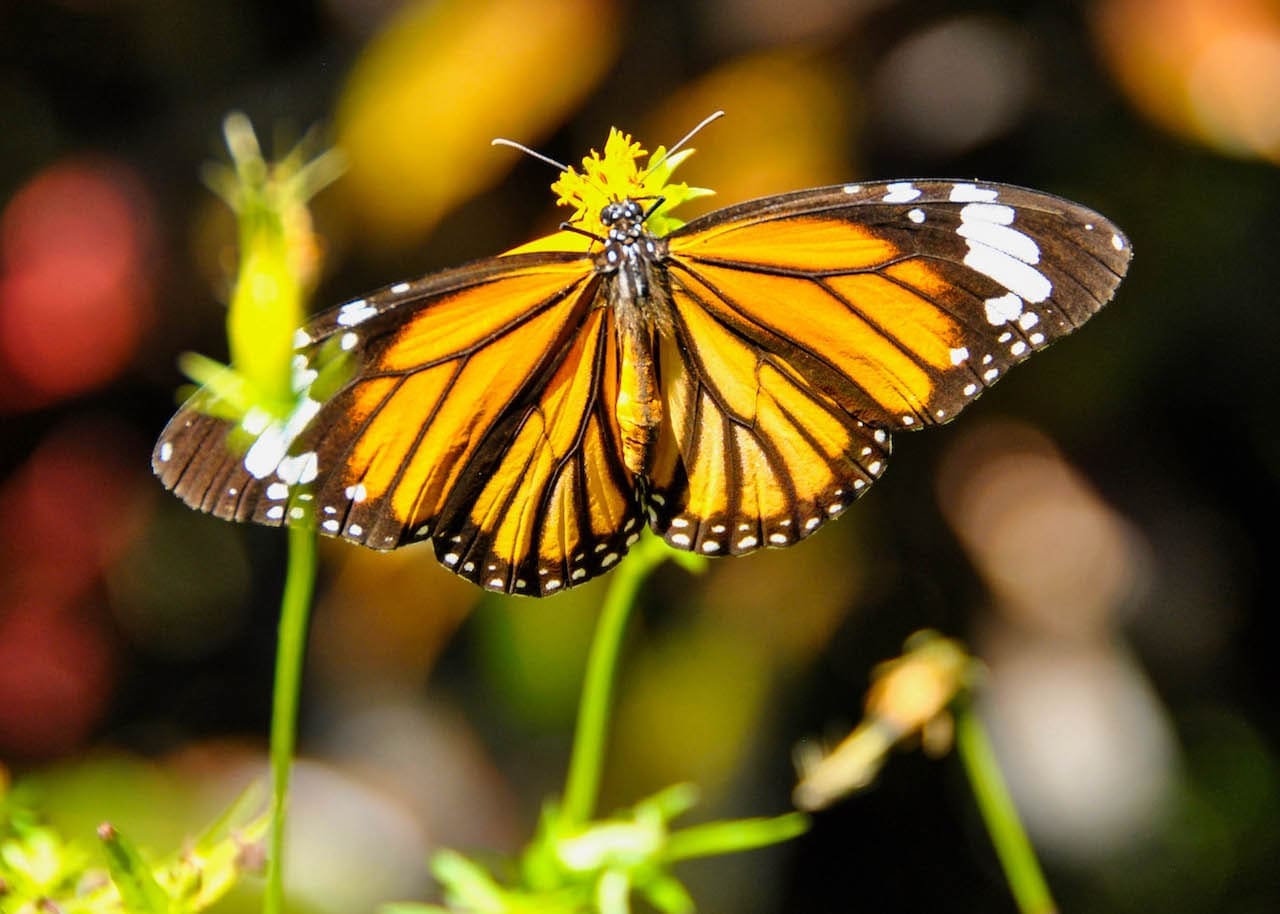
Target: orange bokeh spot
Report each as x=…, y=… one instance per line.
x=75, y=289
x=1207, y=69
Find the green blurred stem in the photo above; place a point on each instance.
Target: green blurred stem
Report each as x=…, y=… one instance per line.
x=295, y=611
x=591, y=733
x=1017, y=857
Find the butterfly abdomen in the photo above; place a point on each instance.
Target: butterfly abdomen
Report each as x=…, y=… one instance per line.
x=639, y=403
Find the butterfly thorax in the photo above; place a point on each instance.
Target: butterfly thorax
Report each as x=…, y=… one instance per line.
x=633, y=286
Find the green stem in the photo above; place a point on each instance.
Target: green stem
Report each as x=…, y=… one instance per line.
x=1017, y=857
x=295, y=611
x=591, y=733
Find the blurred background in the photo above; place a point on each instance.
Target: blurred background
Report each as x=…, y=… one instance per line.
x=1094, y=527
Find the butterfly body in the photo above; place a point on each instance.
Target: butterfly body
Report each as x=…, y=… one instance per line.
x=733, y=383
x=634, y=288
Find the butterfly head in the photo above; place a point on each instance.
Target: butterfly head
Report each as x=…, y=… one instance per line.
x=623, y=220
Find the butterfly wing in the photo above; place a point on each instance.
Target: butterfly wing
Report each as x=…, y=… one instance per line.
x=479, y=416
x=809, y=325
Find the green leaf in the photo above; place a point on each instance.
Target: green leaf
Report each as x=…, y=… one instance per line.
x=717, y=838
x=467, y=884
x=139, y=890
x=667, y=894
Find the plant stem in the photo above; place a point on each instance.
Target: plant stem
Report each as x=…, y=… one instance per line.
x=591, y=732
x=295, y=611
x=1017, y=857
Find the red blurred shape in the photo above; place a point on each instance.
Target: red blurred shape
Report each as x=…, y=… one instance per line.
x=76, y=245
x=55, y=677
x=64, y=516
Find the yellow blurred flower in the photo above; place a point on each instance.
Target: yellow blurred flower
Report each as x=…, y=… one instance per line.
x=439, y=82
x=909, y=695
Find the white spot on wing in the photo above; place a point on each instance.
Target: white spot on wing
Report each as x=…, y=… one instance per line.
x=901, y=192
x=272, y=444
x=301, y=469
x=916, y=215
x=1007, y=307
x=989, y=224
x=355, y=312
x=166, y=451
x=1019, y=278
x=972, y=193
x=958, y=356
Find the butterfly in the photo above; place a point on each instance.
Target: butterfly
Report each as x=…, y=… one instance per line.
x=732, y=382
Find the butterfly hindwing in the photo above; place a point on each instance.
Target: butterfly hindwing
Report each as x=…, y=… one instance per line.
x=751, y=454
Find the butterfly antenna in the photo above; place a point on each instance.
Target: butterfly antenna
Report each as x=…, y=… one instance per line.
x=499, y=141
x=710, y=118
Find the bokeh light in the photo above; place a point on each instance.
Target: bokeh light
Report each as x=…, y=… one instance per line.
x=1088, y=749
x=76, y=272
x=1207, y=69
x=953, y=85
x=419, y=109
x=67, y=513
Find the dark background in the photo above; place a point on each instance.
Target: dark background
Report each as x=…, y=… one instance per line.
x=1096, y=528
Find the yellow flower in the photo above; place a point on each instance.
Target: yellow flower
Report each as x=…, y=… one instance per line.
x=909, y=695
x=617, y=175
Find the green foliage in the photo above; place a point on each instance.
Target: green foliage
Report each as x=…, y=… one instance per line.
x=42, y=871
x=600, y=866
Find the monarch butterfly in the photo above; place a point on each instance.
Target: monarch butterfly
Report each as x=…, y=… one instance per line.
x=732, y=382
